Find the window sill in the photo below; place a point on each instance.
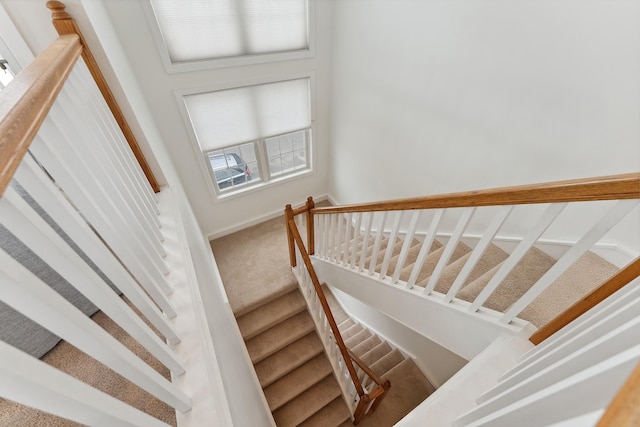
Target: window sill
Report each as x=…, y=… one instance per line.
x=223, y=197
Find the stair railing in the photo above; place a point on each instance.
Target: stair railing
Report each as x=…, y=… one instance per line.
x=363, y=389
x=72, y=194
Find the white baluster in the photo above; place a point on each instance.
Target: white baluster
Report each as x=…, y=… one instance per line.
x=613, y=217
x=31, y=382
x=40, y=187
x=27, y=294
x=376, y=245
x=146, y=274
x=337, y=250
x=424, y=249
x=344, y=256
x=356, y=235
x=452, y=244
x=25, y=224
x=408, y=240
x=478, y=251
x=544, y=222
x=365, y=242
x=395, y=228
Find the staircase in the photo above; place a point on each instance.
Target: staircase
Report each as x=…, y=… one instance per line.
x=583, y=276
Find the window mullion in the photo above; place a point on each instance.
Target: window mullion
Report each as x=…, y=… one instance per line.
x=263, y=160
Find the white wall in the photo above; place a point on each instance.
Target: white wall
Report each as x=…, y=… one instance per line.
x=442, y=96
x=218, y=217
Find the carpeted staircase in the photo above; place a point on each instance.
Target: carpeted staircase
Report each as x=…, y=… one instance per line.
x=288, y=356
x=583, y=276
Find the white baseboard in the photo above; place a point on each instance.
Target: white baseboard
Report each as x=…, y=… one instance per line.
x=257, y=220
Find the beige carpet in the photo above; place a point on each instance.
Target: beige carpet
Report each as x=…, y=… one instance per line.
x=254, y=264
x=69, y=359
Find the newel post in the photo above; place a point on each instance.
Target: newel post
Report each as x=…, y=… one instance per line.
x=310, y=227
x=288, y=214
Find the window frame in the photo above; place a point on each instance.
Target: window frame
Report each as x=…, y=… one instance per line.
x=261, y=151
x=234, y=61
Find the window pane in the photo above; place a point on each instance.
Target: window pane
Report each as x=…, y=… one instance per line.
x=286, y=144
x=289, y=155
x=231, y=168
x=299, y=140
x=300, y=159
x=273, y=147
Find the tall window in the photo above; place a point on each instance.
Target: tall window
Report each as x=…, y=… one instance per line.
x=253, y=134
x=199, y=30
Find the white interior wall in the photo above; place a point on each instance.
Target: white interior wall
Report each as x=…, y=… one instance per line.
x=220, y=217
x=443, y=96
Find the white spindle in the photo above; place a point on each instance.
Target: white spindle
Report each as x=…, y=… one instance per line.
x=544, y=222
x=395, y=228
x=332, y=236
x=608, y=221
x=326, y=229
x=449, y=249
x=40, y=187
x=317, y=235
x=376, y=244
x=338, y=246
x=408, y=241
x=348, y=225
x=119, y=142
x=24, y=223
x=365, y=242
x=426, y=246
x=149, y=277
x=478, y=251
x=83, y=151
x=29, y=381
x=27, y=294
x=356, y=237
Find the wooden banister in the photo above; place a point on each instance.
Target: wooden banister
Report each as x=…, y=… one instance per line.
x=25, y=103
x=65, y=24
x=291, y=225
x=613, y=187
x=606, y=289
x=624, y=409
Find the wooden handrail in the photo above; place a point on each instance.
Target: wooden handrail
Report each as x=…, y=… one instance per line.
x=65, y=24
x=325, y=305
x=624, y=409
x=613, y=187
x=25, y=103
x=609, y=287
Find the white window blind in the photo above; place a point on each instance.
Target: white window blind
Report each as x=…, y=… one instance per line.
x=196, y=30
x=232, y=116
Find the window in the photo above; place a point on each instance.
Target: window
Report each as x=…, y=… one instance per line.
x=253, y=135
x=5, y=73
x=202, y=30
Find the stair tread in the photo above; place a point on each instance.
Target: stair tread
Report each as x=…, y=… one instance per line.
x=284, y=361
x=366, y=345
x=525, y=273
x=356, y=328
x=270, y=314
x=429, y=264
x=297, y=381
x=376, y=353
x=357, y=338
x=491, y=257
x=346, y=324
x=397, y=247
x=279, y=336
x=387, y=362
x=460, y=250
x=307, y=403
x=332, y=414
x=589, y=271
x=408, y=268
x=412, y=254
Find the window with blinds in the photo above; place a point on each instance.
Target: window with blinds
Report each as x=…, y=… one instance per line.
x=253, y=134
x=202, y=30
